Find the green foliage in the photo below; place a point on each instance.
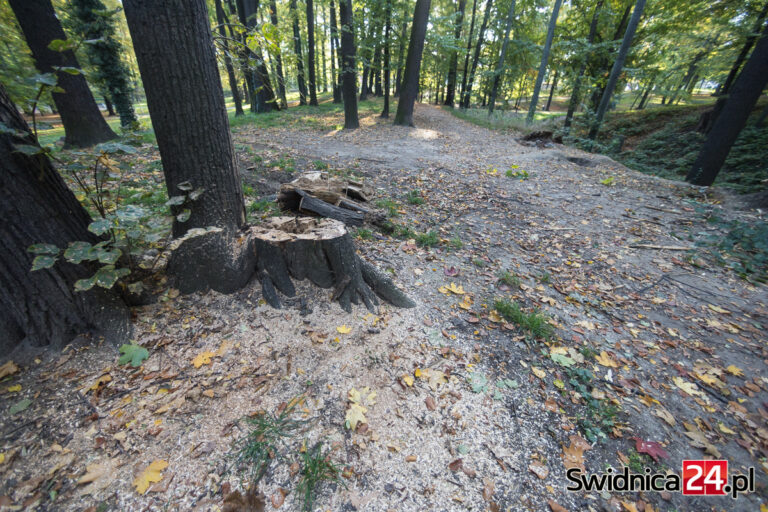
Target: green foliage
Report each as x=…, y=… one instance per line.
x=428, y=239
x=535, y=323
x=414, y=197
x=19, y=406
x=320, y=165
x=364, y=234
x=479, y=263
x=609, y=181
x=133, y=354
x=509, y=279
x=517, y=173
x=455, y=243
x=600, y=416
x=264, y=441
x=544, y=278
x=316, y=469
x=739, y=245
x=390, y=206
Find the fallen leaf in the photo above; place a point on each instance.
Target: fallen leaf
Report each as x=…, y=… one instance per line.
x=555, y=507
x=652, y=448
x=573, y=454
x=431, y=405
x=539, y=469
x=203, y=358
x=343, y=329
x=538, y=372
x=456, y=465
x=8, y=368
x=153, y=473
x=734, y=370
x=605, y=359
x=20, y=406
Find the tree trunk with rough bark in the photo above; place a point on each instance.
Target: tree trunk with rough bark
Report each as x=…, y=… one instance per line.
x=499, y=71
x=311, y=53
x=83, y=123
x=401, y=52
x=297, y=50
x=544, y=61
x=453, y=65
x=552, y=91
x=278, y=58
x=576, y=92
x=348, y=65
x=220, y=19
x=387, y=44
x=467, y=99
x=335, y=56
x=42, y=307
x=410, y=87
x=466, y=57
x=262, y=96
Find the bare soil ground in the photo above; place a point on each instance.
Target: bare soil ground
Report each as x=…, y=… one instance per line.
x=469, y=412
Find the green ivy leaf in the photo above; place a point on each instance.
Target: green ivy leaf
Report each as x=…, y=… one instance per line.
x=562, y=360
x=107, y=276
x=43, y=261
x=195, y=194
x=184, y=186
x=100, y=226
x=61, y=45
x=176, y=201
x=131, y=213
x=184, y=215
x=49, y=249
x=69, y=70
x=83, y=285
x=28, y=149
x=109, y=257
x=114, y=147
x=20, y=406
x=133, y=354
x=77, y=252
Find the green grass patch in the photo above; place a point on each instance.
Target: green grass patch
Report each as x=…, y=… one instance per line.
x=390, y=206
x=535, y=323
x=364, y=234
x=509, y=279
x=316, y=469
x=428, y=239
x=414, y=197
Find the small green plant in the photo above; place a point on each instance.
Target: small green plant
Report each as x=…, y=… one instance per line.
x=479, y=263
x=535, y=323
x=390, y=206
x=265, y=440
x=600, y=416
x=455, y=243
x=248, y=190
x=608, y=181
x=637, y=462
x=544, y=278
x=364, y=234
x=739, y=245
x=509, y=279
x=414, y=197
x=514, y=173
x=285, y=164
x=428, y=239
x=317, y=468
x=320, y=165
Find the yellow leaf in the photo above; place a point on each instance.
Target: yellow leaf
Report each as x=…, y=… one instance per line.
x=101, y=380
x=9, y=368
x=343, y=329
x=408, y=380
x=209, y=393
x=726, y=430
x=538, y=372
x=417, y=373
x=2, y=457
x=718, y=309
x=355, y=414
x=202, y=358
x=605, y=360
x=13, y=389
x=225, y=344
x=153, y=473
x=688, y=387
x=559, y=384
x=734, y=370
x=458, y=290
x=494, y=317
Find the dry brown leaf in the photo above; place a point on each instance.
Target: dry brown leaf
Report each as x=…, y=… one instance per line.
x=539, y=469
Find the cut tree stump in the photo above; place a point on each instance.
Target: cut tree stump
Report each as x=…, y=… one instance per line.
x=318, y=194
x=322, y=251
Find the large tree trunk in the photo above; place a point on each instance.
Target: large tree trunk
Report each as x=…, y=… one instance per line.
x=453, y=65
x=732, y=119
x=220, y=19
x=498, y=73
x=348, y=65
x=37, y=208
x=467, y=99
x=82, y=120
x=466, y=57
x=322, y=251
x=104, y=53
x=278, y=58
x=410, y=87
x=186, y=104
x=335, y=56
x=708, y=118
x=311, y=53
x=387, y=44
x=297, y=51
x=544, y=61
x=617, y=67
x=576, y=92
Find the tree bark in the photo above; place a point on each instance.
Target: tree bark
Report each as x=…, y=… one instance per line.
x=467, y=99
x=742, y=98
x=410, y=87
x=552, y=90
x=498, y=73
x=576, y=92
x=617, y=67
x=262, y=96
x=186, y=105
x=335, y=49
x=348, y=65
x=297, y=51
x=278, y=58
x=450, y=92
x=544, y=61
x=401, y=52
x=36, y=206
x=83, y=123
x=311, y=53
x=220, y=19
x=387, y=44
x=466, y=57
x=109, y=106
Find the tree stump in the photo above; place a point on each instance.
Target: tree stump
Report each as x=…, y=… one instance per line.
x=322, y=251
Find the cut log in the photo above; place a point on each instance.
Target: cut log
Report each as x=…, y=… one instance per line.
x=311, y=204
x=322, y=251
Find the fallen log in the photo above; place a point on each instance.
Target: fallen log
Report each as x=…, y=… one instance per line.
x=322, y=251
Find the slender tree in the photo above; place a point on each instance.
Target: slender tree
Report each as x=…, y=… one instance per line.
x=466, y=57
x=262, y=97
x=311, y=53
x=741, y=101
x=617, y=67
x=278, y=57
x=220, y=17
x=401, y=51
x=186, y=104
x=499, y=71
x=467, y=99
x=552, y=90
x=94, y=23
x=83, y=123
x=387, y=44
x=576, y=91
x=410, y=87
x=335, y=50
x=453, y=65
x=297, y=51
x=544, y=60
x=348, y=65
x=36, y=206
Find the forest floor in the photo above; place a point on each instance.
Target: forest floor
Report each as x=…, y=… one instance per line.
x=654, y=356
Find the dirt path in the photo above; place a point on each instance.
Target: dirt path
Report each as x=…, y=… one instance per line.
x=469, y=414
